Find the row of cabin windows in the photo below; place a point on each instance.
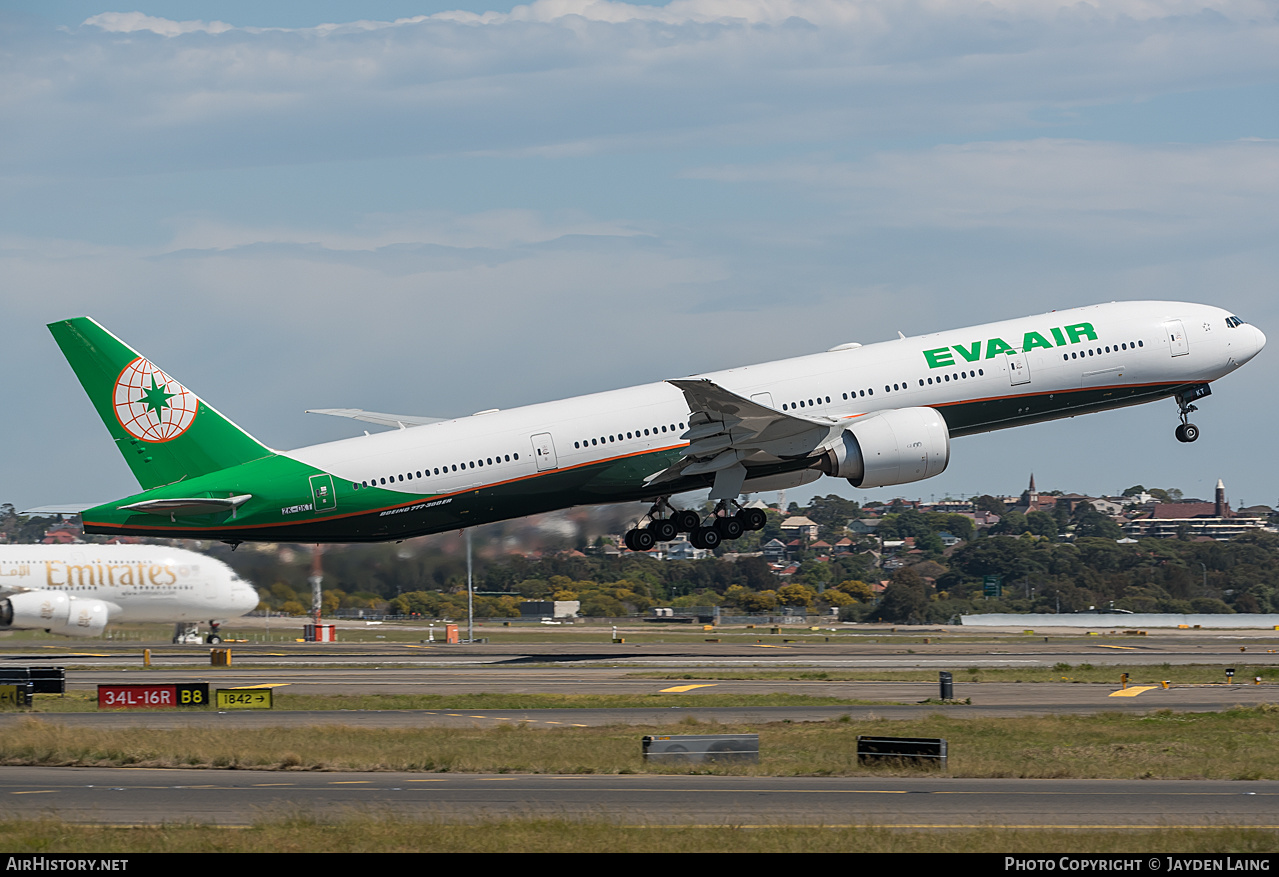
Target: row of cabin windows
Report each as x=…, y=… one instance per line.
x=603, y=440
x=456, y=467
x=964, y=375
x=812, y=404
x=1097, y=351
x=888, y=388
x=953, y=376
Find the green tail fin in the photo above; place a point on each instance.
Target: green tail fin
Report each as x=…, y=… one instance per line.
x=165, y=432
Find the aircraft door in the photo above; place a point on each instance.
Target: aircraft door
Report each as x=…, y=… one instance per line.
x=544, y=452
x=1177, y=344
x=323, y=496
x=1018, y=371
x=765, y=399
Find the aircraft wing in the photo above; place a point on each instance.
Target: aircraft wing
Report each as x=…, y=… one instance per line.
x=400, y=421
x=726, y=430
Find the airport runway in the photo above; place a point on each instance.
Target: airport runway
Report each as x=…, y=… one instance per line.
x=833, y=652
x=135, y=796
x=145, y=796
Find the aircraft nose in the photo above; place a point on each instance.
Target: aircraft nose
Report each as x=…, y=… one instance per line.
x=1260, y=339
x=246, y=599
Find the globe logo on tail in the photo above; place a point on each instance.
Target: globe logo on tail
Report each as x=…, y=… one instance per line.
x=152, y=406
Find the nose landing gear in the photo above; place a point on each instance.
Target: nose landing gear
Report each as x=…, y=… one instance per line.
x=1188, y=432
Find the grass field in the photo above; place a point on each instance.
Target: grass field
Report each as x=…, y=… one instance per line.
x=372, y=832
x=1236, y=744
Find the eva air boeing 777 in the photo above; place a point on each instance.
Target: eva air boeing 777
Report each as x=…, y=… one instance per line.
x=876, y=415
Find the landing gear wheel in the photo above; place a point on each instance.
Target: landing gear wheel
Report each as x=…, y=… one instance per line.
x=213, y=639
x=663, y=529
x=730, y=528
x=753, y=519
x=686, y=521
x=706, y=538
x=642, y=540
x=1187, y=432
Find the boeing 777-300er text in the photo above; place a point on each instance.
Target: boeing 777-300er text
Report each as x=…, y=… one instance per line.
x=75, y=590
x=876, y=414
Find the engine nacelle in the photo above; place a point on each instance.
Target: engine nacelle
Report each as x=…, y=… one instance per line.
x=892, y=447
x=55, y=612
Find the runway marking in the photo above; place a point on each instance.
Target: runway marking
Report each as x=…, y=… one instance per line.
x=261, y=685
x=267, y=785
x=40, y=792
x=1132, y=692
x=350, y=782
x=426, y=781
x=679, y=688
x=764, y=646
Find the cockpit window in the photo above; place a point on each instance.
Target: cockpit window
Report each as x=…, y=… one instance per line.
x=1234, y=322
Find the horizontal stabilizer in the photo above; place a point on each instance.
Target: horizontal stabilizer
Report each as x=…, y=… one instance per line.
x=400, y=421
x=195, y=505
x=71, y=508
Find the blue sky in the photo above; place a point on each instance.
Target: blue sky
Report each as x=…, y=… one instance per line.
x=438, y=208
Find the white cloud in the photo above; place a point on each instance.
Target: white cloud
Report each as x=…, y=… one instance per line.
x=494, y=229
x=1076, y=188
x=131, y=22
x=819, y=12
x=570, y=77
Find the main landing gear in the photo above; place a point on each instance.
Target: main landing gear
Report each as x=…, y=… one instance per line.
x=666, y=523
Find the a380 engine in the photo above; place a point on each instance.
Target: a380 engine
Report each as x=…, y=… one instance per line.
x=892, y=447
x=55, y=612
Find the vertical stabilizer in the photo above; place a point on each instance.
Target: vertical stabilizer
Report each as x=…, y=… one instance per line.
x=165, y=432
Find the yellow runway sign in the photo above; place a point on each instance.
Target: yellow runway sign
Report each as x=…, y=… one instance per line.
x=244, y=699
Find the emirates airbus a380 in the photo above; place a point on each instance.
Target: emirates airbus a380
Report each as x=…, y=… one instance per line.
x=875, y=414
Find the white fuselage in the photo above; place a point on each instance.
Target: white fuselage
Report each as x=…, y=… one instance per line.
x=135, y=582
x=1126, y=345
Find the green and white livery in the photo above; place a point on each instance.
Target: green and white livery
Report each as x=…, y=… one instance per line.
x=875, y=414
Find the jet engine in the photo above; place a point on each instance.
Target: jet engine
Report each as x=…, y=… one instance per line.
x=55, y=612
x=891, y=447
